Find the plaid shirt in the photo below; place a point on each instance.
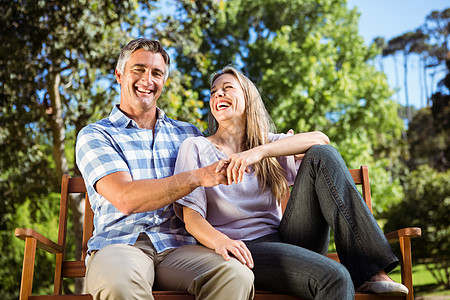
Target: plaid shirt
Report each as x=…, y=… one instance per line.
x=117, y=144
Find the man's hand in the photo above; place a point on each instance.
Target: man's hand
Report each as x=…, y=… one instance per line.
x=239, y=163
x=212, y=175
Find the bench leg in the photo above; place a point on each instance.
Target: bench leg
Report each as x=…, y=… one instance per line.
x=405, y=247
x=28, y=268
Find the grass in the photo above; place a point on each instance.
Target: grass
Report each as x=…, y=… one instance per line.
x=424, y=282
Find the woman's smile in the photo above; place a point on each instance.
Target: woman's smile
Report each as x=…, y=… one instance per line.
x=222, y=104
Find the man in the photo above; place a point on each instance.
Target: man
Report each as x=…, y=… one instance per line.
x=127, y=161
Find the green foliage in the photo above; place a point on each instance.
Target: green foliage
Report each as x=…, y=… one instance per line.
x=426, y=178
x=427, y=205
x=311, y=66
x=428, y=143
x=306, y=56
x=45, y=221
x=180, y=102
x=56, y=73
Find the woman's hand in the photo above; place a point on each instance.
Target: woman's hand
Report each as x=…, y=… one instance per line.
x=296, y=144
x=239, y=163
x=224, y=246
x=210, y=237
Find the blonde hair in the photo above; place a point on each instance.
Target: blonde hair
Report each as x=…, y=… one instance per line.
x=257, y=128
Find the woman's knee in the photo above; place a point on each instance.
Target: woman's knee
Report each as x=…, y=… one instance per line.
x=322, y=151
x=325, y=154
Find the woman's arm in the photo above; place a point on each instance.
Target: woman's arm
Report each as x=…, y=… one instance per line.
x=210, y=237
x=292, y=145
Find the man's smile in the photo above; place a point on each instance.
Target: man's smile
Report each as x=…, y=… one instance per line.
x=143, y=90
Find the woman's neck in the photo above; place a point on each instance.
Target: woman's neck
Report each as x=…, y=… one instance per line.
x=229, y=139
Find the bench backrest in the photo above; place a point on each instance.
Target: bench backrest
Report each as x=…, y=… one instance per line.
x=76, y=185
x=63, y=267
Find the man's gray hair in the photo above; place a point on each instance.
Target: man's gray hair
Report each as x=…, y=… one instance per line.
x=142, y=43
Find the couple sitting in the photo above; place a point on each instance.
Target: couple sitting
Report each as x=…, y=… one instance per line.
x=227, y=188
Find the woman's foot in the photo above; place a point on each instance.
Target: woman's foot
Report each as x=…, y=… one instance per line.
x=381, y=276
x=382, y=284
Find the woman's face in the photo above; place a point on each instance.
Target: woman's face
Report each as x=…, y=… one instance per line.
x=227, y=100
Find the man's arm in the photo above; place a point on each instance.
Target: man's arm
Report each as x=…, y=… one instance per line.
x=134, y=196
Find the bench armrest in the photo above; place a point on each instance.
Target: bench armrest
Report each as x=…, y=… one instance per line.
x=42, y=242
x=411, y=232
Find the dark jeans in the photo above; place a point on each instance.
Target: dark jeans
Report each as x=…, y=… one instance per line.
x=294, y=262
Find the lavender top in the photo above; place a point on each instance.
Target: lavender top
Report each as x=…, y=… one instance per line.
x=241, y=211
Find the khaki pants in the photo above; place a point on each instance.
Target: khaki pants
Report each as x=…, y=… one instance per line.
x=129, y=272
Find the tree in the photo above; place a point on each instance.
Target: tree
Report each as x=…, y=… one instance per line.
x=57, y=75
x=391, y=50
x=427, y=205
x=310, y=64
x=406, y=43
x=427, y=181
x=430, y=41
x=52, y=58
x=429, y=135
x=307, y=58
x=429, y=132
x=437, y=25
x=421, y=47
x=380, y=43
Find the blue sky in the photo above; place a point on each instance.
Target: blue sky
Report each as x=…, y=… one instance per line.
x=390, y=18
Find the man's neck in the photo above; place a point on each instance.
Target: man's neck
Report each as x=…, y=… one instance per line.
x=144, y=119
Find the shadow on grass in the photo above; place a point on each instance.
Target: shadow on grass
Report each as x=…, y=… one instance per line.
x=431, y=291
x=423, y=289
x=427, y=288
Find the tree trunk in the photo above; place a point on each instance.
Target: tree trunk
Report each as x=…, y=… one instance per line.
x=397, y=81
x=433, y=90
x=58, y=135
x=57, y=124
x=77, y=207
x=381, y=62
x=405, y=68
x=425, y=80
x=423, y=95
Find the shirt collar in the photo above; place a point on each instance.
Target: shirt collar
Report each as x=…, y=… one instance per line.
x=119, y=119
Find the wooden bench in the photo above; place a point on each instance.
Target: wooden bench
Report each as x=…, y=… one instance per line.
x=64, y=268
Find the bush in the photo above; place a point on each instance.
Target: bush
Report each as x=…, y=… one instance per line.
x=427, y=205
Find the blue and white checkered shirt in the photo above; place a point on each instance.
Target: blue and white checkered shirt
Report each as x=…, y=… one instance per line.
x=117, y=144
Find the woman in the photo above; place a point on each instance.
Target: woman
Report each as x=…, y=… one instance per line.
x=243, y=218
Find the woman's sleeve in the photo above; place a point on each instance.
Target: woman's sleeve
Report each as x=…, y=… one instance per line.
x=189, y=159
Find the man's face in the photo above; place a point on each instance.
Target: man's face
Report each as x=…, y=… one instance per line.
x=142, y=81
